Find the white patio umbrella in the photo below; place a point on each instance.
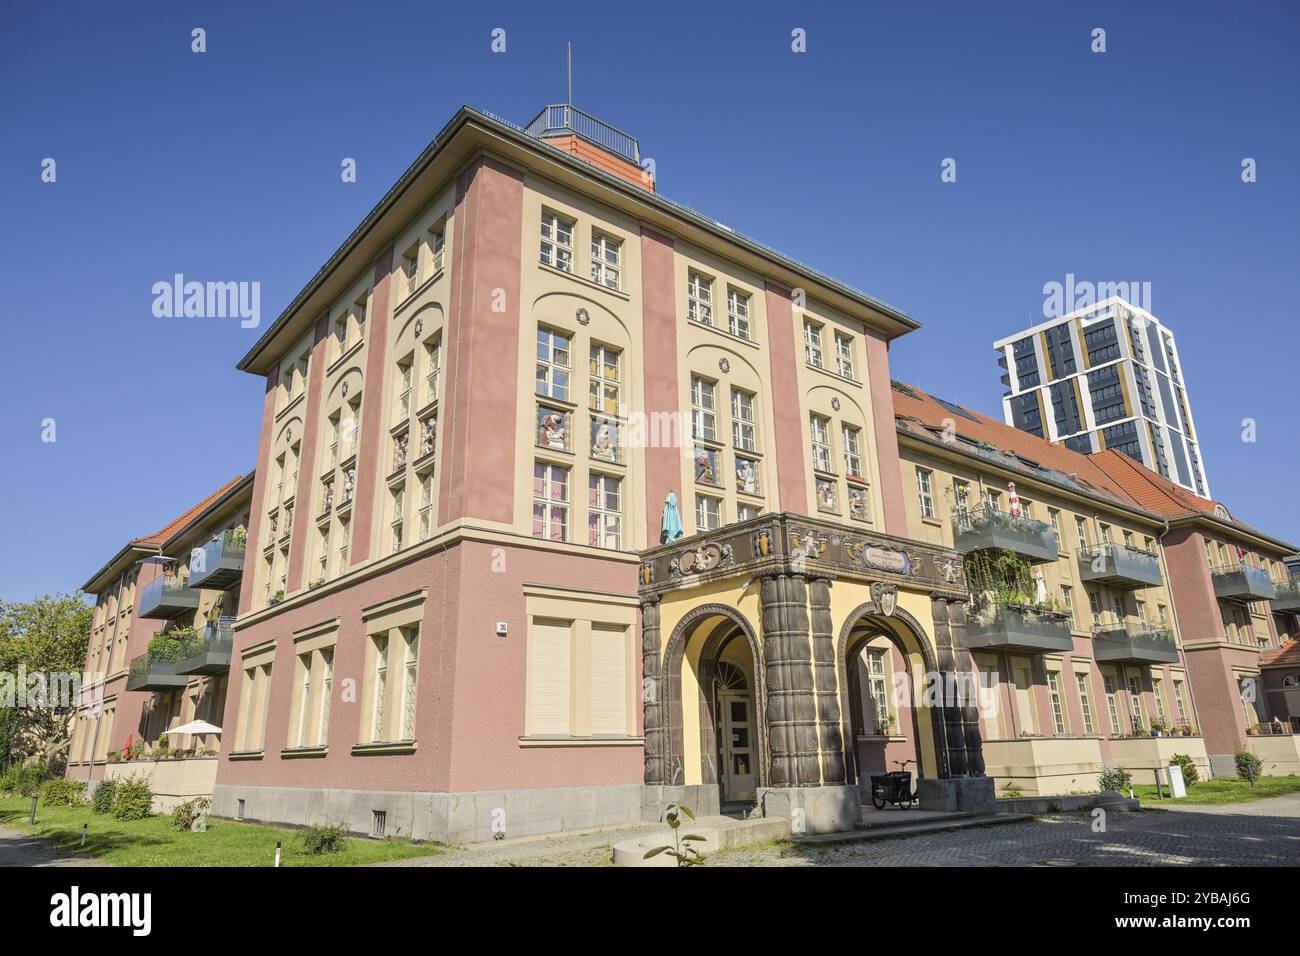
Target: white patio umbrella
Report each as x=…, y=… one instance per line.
x=194, y=727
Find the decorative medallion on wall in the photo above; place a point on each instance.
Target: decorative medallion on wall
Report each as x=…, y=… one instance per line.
x=885, y=597
x=288, y=434
x=949, y=569
x=763, y=543
x=699, y=560
x=880, y=558
x=724, y=364
x=344, y=389
x=808, y=543
x=583, y=316
x=835, y=404
x=419, y=327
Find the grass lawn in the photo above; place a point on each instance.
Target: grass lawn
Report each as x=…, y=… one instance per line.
x=1221, y=791
x=153, y=842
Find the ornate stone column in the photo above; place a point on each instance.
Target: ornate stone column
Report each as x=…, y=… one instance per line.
x=791, y=704
x=970, y=716
x=826, y=682
x=654, y=693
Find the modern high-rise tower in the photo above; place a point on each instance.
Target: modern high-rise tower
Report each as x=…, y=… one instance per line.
x=1107, y=376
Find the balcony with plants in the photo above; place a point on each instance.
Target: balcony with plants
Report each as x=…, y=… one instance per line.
x=1286, y=595
x=168, y=596
x=1119, y=566
x=985, y=528
x=207, y=651
x=1242, y=582
x=158, y=667
x=219, y=565
x=1010, y=610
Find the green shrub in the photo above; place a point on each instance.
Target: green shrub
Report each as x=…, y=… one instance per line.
x=1249, y=766
x=22, y=779
x=1115, y=778
x=324, y=838
x=1188, y=766
x=101, y=801
x=62, y=792
x=183, y=815
x=133, y=799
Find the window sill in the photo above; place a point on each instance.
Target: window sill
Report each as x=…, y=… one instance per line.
x=384, y=748
x=617, y=293
x=725, y=333
x=246, y=755
x=932, y=521
x=581, y=741
x=347, y=353
x=831, y=373
x=302, y=397
x=289, y=753
x=415, y=293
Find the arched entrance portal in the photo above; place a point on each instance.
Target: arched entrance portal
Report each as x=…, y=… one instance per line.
x=716, y=735
x=884, y=667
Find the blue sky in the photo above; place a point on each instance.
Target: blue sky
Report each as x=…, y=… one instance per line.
x=1122, y=166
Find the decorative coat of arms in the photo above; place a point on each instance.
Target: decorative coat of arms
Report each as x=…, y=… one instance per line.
x=763, y=543
x=885, y=597
x=647, y=573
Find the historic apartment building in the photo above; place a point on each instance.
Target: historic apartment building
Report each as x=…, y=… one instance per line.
x=1107, y=376
x=465, y=606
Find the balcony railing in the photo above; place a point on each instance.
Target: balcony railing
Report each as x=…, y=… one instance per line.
x=148, y=672
x=1134, y=643
x=168, y=596
x=1119, y=567
x=209, y=651
x=1242, y=582
x=1286, y=595
x=220, y=564
x=1020, y=628
x=983, y=528
x=561, y=119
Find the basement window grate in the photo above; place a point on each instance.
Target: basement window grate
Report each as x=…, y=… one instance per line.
x=378, y=822
x=239, y=810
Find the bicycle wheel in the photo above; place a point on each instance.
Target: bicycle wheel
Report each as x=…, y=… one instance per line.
x=877, y=802
x=907, y=804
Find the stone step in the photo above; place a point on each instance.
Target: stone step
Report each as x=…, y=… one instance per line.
x=951, y=821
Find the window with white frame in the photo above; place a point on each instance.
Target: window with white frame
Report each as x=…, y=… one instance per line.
x=426, y=506
x=699, y=298
x=433, y=368
x=304, y=700
x=552, y=364
x=411, y=267
x=812, y=344
x=605, y=379
x=742, y=420
x=925, y=492
x=437, y=246
x=704, y=424
x=1081, y=533
x=379, y=688
x=852, y=451
x=405, y=373
x=411, y=648
x=745, y=511
x=844, y=355
x=550, y=501
x=557, y=241
x=708, y=513
x=397, y=523
x=877, y=674
x=1085, y=703
x=1135, y=701
x=738, y=313
x=326, y=690
x=1112, y=701
x=345, y=526
x=604, y=512
x=605, y=268
x=1067, y=599
x=1058, y=705
x=820, y=429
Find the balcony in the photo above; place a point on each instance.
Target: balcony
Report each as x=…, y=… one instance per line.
x=168, y=596
x=1287, y=595
x=149, y=672
x=983, y=529
x=220, y=564
x=1119, y=567
x=1020, y=628
x=1242, y=583
x=1123, y=642
x=208, y=652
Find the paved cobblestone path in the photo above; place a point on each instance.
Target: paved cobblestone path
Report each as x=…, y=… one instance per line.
x=18, y=848
x=1263, y=833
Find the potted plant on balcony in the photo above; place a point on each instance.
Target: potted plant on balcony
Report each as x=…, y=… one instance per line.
x=885, y=724
x=167, y=646
x=277, y=597
x=1158, y=727
x=115, y=756
x=137, y=750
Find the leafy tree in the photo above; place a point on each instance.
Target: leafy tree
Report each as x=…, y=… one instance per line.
x=49, y=636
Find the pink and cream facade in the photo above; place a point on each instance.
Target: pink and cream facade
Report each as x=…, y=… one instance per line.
x=457, y=617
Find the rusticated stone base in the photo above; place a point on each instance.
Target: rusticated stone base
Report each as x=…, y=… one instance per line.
x=835, y=809
x=957, y=794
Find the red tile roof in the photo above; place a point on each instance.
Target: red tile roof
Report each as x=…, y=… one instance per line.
x=157, y=539
x=1154, y=492
x=1288, y=653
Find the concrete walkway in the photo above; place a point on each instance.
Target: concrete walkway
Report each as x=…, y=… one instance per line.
x=18, y=848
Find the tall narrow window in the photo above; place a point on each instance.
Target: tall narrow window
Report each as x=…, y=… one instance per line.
x=345, y=524
x=326, y=690
x=844, y=355
x=405, y=371
x=552, y=364
x=1058, y=706
x=378, y=717
x=852, y=451
x=820, y=430
x=437, y=244
x=1112, y=704
x=742, y=420
x=603, y=368
x=925, y=493
x=1085, y=703
x=411, y=639
x=708, y=513
x=605, y=268
x=433, y=366
x=550, y=501
x=604, y=518
x=738, y=313
x=1081, y=533
x=557, y=242
x=699, y=298
x=1135, y=700
x=703, y=409
x=304, y=705
x=398, y=521
x=411, y=267
x=812, y=344
x=426, y=506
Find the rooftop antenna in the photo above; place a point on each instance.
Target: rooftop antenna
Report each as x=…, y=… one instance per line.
x=568, y=47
